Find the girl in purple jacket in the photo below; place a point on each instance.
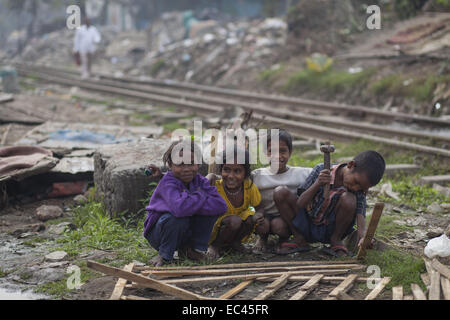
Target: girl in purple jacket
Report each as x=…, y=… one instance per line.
x=183, y=209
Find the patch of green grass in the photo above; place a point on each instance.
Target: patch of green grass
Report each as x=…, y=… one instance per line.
x=268, y=76
x=388, y=228
x=157, y=66
x=59, y=289
x=413, y=195
x=25, y=275
x=96, y=229
x=402, y=267
x=3, y=273
x=419, y=88
x=171, y=126
x=331, y=80
x=32, y=242
x=90, y=100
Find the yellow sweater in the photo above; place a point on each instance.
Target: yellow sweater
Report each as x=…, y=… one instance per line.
x=252, y=198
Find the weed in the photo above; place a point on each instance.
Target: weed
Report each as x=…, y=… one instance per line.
x=402, y=267
x=331, y=80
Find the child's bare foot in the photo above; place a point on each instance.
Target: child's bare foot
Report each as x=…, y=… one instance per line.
x=157, y=261
x=239, y=247
x=213, y=252
x=295, y=245
x=190, y=253
x=261, y=245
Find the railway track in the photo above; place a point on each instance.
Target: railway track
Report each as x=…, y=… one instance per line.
x=315, y=126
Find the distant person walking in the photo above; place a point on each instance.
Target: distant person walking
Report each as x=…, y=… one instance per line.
x=86, y=38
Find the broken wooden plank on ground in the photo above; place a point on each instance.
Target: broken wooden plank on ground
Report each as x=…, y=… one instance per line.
x=150, y=283
x=435, y=286
x=234, y=291
x=120, y=285
x=252, y=264
x=397, y=293
x=378, y=288
x=425, y=279
x=307, y=287
x=131, y=297
x=445, y=284
x=187, y=272
x=376, y=214
x=343, y=286
x=256, y=275
x=439, y=267
x=417, y=292
x=273, y=287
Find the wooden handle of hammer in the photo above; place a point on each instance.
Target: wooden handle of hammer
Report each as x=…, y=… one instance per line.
x=327, y=166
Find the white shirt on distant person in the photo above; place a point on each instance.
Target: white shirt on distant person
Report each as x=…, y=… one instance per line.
x=86, y=39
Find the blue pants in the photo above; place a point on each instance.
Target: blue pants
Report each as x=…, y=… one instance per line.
x=318, y=233
x=170, y=232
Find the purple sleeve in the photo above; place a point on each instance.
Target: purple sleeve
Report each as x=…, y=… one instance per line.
x=214, y=204
x=182, y=204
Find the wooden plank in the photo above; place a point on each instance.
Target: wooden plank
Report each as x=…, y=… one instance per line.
x=255, y=276
x=150, y=283
x=439, y=267
x=378, y=288
x=376, y=214
x=131, y=297
x=435, y=286
x=417, y=292
x=445, y=283
x=234, y=291
x=425, y=279
x=409, y=297
x=120, y=285
x=273, y=287
x=397, y=293
x=307, y=287
x=344, y=285
x=252, y=264
x=187, y=272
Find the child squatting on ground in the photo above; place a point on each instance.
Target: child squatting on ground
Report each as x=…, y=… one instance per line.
x=183, y=209
x=267, y=181
x=240, y=194
x=313, y=218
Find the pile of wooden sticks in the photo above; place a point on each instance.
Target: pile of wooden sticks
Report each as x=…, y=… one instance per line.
x=437, y=277
x=308, y=274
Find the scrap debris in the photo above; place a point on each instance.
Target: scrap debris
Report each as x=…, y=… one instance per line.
x=311, y=273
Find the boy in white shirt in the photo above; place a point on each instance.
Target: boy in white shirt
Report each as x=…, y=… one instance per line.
x=86, y=38
x=267, y=181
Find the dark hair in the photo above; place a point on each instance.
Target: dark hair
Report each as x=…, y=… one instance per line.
x=283, y=135
x=372, y=164
x=246, y=163
x=187, y=145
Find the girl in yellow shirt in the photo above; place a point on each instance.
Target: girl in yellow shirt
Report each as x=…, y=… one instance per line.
x=240, y=194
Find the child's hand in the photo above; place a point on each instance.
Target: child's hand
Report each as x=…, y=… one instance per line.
x=324, y=178
x=258, y=218
x=155, y=171
x=212, y=178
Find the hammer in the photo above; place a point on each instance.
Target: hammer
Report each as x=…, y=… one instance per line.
x=326, y=148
